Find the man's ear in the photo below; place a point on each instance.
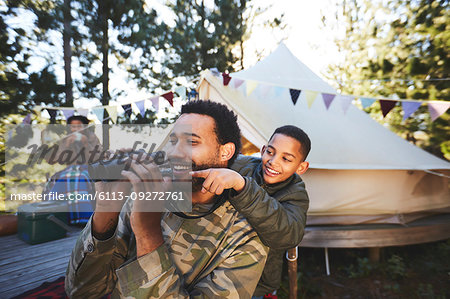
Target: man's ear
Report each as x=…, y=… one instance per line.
x=302, y=168
x=227, y=151
x=263, y=149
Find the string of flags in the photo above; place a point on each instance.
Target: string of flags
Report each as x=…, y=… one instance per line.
x=435, y=108
x=135, y=107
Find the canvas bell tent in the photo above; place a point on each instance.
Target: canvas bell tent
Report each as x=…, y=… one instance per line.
x=360, y=172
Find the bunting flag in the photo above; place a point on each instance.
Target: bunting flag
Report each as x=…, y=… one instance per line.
x=181, y=91
x=436, y=109
x=192, y=94
x=328, y=99
x=264, y=89
x=98, y=112
x=52, y=113
x=295, y=93
x=251, y=86
x=67, y=113
x=83, y=112
x=278, y=90
x=112, y=111
x=345, y=102
x=27, y=119
x=409, y=107
x=366, y=102
x=387, y=106
x=141, y=107
x=310, y=97
x=169, y=97
x=127, y=109
x=237, y=82
x=155, y=103
x=226, y=78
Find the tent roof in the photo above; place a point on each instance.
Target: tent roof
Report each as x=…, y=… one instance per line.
x=350, y=140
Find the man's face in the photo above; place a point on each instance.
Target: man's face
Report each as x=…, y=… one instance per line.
x=281, y=158
x=194, y=143
x=76, y=125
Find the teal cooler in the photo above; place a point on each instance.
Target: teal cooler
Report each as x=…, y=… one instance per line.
x=42, y=221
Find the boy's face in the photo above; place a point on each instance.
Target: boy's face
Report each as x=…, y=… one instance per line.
x=281, y=158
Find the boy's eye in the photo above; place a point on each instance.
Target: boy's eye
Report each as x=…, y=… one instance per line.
x=193, y=142
x=269, y=151
x=173, y=141
x=287, y=160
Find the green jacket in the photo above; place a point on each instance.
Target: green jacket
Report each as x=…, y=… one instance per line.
x=216, y=256
x=277, y=212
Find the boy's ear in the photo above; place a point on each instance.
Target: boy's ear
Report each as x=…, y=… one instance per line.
x=302, y=168
x=227, y=151
x=263, y=149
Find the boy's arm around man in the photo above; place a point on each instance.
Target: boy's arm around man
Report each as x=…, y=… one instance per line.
x=277, y=212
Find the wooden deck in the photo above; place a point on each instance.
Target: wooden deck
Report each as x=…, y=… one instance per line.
x=429, y=229
x=24, y=267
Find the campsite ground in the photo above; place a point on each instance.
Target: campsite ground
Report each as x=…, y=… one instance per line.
x=416, y=271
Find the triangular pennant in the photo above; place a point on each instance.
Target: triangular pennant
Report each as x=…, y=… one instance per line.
x=295, y=93
x=67, y=112
x=27, y=119
x=409, y=107
x=251, y=86
x=141, y=107
x=237, y=82
x=387, y=106
x=328, y=99
x=83, y=112
x=98, y=112
x=169, y=97
x=436, y=109
x=345, y=102
x=264, y=89
x=52, y=113
x=155, y=103
x=127, y=109
x=278, y=90
x=366, y=102
x=226, y=78
x=181, y=91
x=310, y=97
x=192, y=94
x=112, y=111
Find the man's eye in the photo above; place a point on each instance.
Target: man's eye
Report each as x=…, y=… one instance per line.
x=173, y=141
x=192, y=142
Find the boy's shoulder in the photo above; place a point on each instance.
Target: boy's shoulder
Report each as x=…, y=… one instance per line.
x=245, y=163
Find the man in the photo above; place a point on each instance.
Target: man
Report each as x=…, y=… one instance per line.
x=143, y=255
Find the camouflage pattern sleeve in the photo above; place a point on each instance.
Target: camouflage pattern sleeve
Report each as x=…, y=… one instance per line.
x=91, y=269
x=155, y=275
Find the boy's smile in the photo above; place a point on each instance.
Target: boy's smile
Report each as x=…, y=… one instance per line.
x=281, y=158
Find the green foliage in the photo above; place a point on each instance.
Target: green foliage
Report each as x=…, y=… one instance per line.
x=398, y=49
x=363, y=268
x=395, y=267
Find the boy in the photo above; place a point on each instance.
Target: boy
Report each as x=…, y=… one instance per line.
x=278, y=204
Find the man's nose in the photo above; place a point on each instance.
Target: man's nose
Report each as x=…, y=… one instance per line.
x=178, y=150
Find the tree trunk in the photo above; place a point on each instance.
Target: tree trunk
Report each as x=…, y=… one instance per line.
x=67, y=48
x=105, y=75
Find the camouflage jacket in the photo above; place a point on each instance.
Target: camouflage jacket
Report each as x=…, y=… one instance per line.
x=277, y=212
x=218, y=255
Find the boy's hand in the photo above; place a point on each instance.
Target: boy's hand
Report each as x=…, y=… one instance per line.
x=219, y=179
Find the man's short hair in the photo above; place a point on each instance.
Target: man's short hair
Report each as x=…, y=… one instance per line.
x=299, y=135
x=81, y=118
x=226, y=127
